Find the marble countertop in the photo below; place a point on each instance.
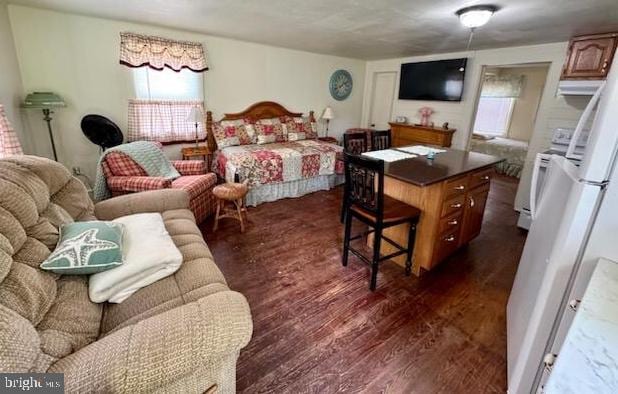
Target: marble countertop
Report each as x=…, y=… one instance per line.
x=588, y=359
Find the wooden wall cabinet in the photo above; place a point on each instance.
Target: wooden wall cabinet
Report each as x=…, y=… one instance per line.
x=407, y=134
x=590, y=57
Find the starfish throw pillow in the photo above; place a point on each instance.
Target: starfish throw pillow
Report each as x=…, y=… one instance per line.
x=86, y=248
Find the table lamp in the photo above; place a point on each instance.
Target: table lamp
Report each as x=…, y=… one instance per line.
x=45, y=101
x=327, y=115
x=196, y=116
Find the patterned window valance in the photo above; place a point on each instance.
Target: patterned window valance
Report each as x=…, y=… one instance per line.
x=138, y=50
x=502, y=86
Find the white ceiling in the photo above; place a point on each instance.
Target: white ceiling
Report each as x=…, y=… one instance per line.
x=365, y=29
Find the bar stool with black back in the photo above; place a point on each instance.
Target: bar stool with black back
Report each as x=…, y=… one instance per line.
x=380, y=139
x=366, y=201
x=353, y=143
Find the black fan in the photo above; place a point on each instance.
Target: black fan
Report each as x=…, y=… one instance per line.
x=101, y=131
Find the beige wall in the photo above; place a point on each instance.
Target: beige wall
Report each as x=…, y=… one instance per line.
x=77, y=57
x=10, y=79
x=526, y=105
x=554, y=110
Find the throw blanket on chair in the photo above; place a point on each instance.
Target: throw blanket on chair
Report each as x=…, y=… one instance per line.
x=145, y=153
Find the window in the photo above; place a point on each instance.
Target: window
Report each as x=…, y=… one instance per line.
x=163, y=102
x=493, y=115
x=167, y=84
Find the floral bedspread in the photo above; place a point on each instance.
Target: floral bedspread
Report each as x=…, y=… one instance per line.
x=278, y=162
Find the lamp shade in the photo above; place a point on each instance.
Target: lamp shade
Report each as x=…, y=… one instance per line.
x=43, y=100
x=328, y=113
x=196, y=115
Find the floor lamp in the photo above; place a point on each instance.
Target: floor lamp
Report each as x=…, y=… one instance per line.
x=45, y=101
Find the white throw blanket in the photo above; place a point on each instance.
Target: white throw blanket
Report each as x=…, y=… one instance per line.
x=149, y=254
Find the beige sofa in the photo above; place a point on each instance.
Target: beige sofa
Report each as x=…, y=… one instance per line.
x=180, y=334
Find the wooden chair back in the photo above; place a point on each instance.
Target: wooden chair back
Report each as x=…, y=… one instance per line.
x=355, y=143
x=380, y=139
x=364, y=184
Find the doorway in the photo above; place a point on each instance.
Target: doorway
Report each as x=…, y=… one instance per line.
x=382, y=96
x=506, y=109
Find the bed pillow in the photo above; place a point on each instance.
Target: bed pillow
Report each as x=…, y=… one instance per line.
x=225, y=135
x=279, y=130
x=310, y=128
x=86, y=248
x=482, y=137
x=295, y=130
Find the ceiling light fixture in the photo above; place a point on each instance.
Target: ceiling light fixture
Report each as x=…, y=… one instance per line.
x=476, y=15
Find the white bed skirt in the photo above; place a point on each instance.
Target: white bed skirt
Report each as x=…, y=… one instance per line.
x=277, y=191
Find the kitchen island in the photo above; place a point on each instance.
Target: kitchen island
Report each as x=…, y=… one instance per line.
x=451, y=191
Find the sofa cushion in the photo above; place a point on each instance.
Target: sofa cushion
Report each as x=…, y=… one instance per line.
x=198, y=276
x=37, y=196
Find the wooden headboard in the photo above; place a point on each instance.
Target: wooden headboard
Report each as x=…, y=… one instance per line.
x=257, y=111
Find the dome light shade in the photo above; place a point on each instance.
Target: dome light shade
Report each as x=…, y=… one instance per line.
x=476, y=16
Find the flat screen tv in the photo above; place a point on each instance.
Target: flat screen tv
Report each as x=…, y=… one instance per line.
x=440, y=80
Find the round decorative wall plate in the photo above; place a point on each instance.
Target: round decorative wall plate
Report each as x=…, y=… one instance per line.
x=340, y=85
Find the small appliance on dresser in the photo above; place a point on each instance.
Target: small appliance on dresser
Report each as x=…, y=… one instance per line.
x=574, y=223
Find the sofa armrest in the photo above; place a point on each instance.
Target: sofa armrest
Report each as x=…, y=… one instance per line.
x=150, y=201
x=190, y=167
x=132, y=184
x=154, y=353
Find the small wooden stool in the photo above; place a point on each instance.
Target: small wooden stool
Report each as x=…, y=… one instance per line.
x=234, y=193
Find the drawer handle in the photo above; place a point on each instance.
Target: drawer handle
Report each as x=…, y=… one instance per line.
x=452, y=222
x=450, y=238
x=471, y=202
x=460, y=187
x=485, y=178
x=458, y=205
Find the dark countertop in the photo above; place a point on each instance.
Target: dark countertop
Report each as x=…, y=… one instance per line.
x=421, y=171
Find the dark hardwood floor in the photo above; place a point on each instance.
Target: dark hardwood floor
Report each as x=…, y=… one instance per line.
x=318, y=328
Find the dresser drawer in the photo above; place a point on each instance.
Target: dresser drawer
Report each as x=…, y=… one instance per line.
x=455, y=187
x=480, y=177
x=453, y=205
x=451, y=223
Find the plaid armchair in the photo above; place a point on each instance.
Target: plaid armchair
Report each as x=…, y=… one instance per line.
x=124, y=176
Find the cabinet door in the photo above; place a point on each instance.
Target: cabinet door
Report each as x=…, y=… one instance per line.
x=589, y=57
x=476, y=200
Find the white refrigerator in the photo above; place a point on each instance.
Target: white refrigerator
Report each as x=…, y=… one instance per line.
x=574, y=223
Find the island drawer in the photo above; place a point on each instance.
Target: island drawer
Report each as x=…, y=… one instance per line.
x=447, y=243
x=480, y=177
x=454, y=187
x=450, y=223
x=453, y=205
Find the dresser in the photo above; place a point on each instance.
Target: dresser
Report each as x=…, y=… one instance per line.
x=409, y=134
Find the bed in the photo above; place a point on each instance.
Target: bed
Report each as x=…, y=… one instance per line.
x=513, y=151
x=273, y=170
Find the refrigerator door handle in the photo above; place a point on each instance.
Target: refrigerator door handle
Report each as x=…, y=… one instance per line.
x=570, y=153
x=533, y=186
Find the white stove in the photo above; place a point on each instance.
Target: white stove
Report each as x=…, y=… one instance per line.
x=559, y=145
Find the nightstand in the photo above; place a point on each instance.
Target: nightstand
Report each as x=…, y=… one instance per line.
x=331, y=140
x=193, y=152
